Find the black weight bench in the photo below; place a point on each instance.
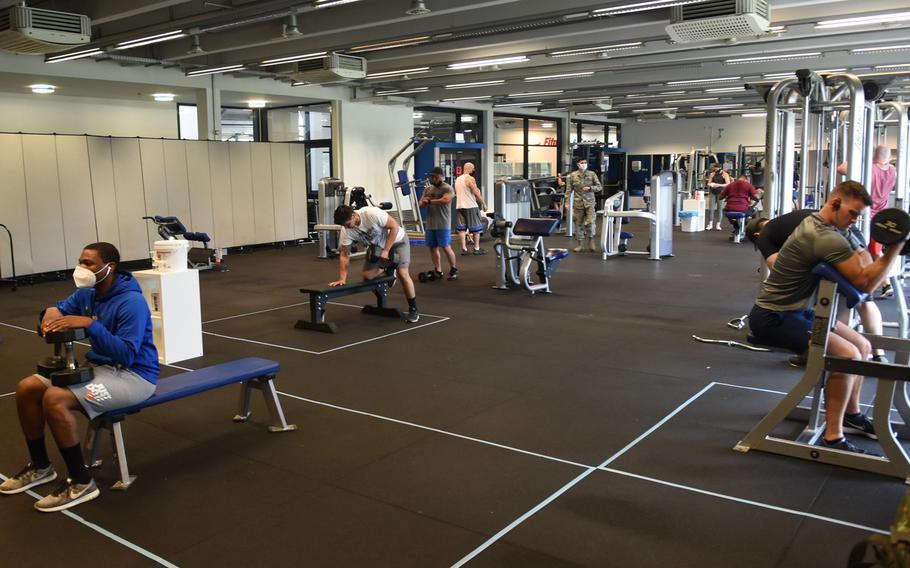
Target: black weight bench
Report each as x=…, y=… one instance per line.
x=321, y=293
x=250, y=372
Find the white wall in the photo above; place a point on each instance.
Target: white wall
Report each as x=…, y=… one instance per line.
x=680, y=135
x=370, y=135
x=45, y=114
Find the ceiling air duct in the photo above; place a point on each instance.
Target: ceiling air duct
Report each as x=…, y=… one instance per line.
x=35, y=31
x=333, y=68
x=719, y=19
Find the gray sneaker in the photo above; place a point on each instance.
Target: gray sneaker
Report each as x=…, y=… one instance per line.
x=29, y=477
x=413, y=316
x=68, y=494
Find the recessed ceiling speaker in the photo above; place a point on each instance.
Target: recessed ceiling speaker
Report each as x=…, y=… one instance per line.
x=418, y=8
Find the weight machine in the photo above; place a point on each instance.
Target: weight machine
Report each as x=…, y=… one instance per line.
x=404, y=189
x=615, y=242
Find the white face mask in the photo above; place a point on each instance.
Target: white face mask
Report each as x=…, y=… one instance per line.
x=582, y=167
x=85, y=278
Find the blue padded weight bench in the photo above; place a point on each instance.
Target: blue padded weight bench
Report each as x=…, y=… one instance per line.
x=250, y=372
x=832, y=288
x=738, y=220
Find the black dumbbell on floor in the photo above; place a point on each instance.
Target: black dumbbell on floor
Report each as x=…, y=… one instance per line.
x=62, y=368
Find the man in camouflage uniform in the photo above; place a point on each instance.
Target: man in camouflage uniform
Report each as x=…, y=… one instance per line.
x=582, y=184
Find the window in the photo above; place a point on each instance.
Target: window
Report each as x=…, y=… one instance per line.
x=187, y=122
x=449, y=125
x=239, y=124
x=585, y=132
x=526, y=147
x=300, y=123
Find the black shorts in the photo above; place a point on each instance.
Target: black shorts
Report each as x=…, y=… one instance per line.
x=789, y=330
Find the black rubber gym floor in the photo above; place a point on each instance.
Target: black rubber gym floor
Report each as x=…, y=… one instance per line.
x=584, y=427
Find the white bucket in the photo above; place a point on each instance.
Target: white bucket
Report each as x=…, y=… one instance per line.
x=170, y=255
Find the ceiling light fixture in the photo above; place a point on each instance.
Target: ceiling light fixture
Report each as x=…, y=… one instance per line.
x=73, y=55
x=417, y=115
x=167, y=36
x=292, y=58
x=534, y=94
x=625, y=105
x=893, y=66
x=528, y=104
x=579, y=100
x=685, y=101
x=163, y=97
x=599, y=112
x=404, y=92
x=782, y=57
x=42, y=89
x=214, y=70
x=554, y=109
x=725, y=90
x=467, y=98
x=559, y=76
x=754, y=115
x=599, y=49
x=255, y=103
x=546, y=125
x=641, y=7
x=390, y=44
x=330, y=3
x=901, y=47
x=715, y=107
x=864, y=20
x=697, y=81
x=663, y=109
x=411, y=71
x=488, y=62
x=475, y=84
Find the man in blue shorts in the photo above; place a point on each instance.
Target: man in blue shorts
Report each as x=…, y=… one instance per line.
x=109, y=306
x=780, y=316
x=438, y=226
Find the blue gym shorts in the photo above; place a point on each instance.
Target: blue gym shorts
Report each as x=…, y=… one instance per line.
x=789, y=330
x=440, y=238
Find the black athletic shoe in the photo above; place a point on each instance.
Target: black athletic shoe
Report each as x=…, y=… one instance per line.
x=880, y=358
x=413, y=316
x=798, y=361
x=846, y=445
x=859, y=424
x=465, y=253
x=453, y=274
x=479, y=252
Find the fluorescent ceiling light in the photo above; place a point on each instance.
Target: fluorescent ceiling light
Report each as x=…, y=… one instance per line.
x=535, y=103
x=695, y=81
x=642, y=6
x=475, y=84
x=901, y=47
x=779, y=76
x=673, y=93
x=403, y=92
x=754, y=115
x=685, y=101
x=73, y=55
x=864, y=20
x=725, y=90
x=299, y=83
x=599, y=112
x=584, y=99
x=163, y=97
x=547, y=125
x=777, y=28
x=741, y=110
x=663, y=109
x=467, y=118
x=167, y=36
x=534, y=94
x=894, y=66
x=631, y=105
x=329, y=3
x=411, y=71
x=560, y=76
x=598, y=49
x=42, y=89
x=782, y=57
x=417, y=115
x=715, y=107
x=390, y=44
x=554, y=109
x=293, y=58
x=468, y=98
x=213, y=70
x=255, y=103
x=488, y=62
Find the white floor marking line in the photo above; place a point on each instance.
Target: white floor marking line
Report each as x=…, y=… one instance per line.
x=746, y=501
x=358, y=306
x=436, y=430
x=19, y=328
x=781, y=393
x=103, y=531
x=262, y=343
x=8, y=394
x=575, y=481
x=407, y=329
x=257, y=312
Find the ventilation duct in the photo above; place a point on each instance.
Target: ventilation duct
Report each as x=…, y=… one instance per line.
x=35, y=31
x=332, y=68
x=719, y=19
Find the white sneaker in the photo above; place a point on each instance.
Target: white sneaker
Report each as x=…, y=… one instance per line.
x=717, y=227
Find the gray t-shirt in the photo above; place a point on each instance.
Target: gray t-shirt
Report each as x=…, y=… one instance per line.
x=439, y=216
x=791, y=282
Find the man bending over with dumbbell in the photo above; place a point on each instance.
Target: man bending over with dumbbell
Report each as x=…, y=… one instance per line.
x=780, y=317
x=373, y=227
x=109, y=306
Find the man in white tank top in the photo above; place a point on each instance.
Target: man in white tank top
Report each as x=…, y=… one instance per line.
x=468, y=204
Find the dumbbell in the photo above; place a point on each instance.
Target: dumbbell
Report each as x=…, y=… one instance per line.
x=890, y=226
x=387, y=264
x=62, y=368
x=429, y=276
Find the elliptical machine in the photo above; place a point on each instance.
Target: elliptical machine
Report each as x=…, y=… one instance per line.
x=523, y=261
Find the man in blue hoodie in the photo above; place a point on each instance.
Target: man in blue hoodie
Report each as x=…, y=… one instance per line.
x=109, y=306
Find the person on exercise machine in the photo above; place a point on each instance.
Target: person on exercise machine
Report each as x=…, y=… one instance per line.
x=769, y=237
x=373, y=227
x=738, y=197
x=109, y=306
x=780, y=318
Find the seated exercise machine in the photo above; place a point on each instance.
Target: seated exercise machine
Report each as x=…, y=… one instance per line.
x=805, y=446
x=615, y=242
x=332, y=194
x=521, y=259
x=738, y=220
x=204, y=258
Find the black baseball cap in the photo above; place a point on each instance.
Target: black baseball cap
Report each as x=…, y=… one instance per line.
x=437, y=171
